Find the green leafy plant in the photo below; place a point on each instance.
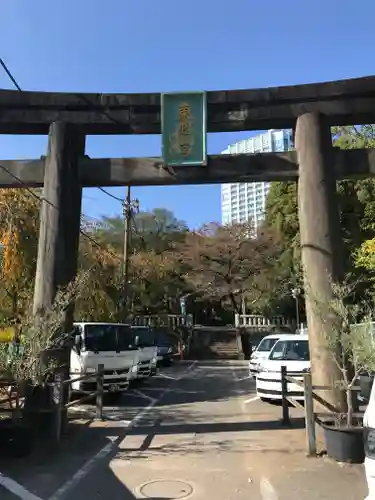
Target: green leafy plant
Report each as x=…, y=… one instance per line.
x=22, y=360
x=350, y=343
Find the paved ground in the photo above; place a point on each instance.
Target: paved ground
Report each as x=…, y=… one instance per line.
x=194, y=431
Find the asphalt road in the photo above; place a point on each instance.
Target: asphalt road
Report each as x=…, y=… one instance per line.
x=195, y=431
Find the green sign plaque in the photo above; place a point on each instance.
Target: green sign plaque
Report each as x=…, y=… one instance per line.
x=184, y=128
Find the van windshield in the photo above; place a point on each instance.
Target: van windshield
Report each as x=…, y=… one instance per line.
x=146, y=337
x=266, y=345
x=290, y=350
x=108, y=337
x=163, y=338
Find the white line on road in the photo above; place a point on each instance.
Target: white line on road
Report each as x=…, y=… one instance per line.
x=82, y=472
x=267, y=491
x=17, y=489
x=168, y=377
x=141, y=414
x=24, y=494
x=142, y=395
x=250, y=400
x=87, y=467
x=240, y=392
x=190, y=367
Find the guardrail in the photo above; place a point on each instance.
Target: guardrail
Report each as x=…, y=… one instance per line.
x=58, y=396
x=258, y=321
x=59, y=405
x=311, y=417
x=9, y=394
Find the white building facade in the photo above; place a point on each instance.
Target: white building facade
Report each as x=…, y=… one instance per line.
x=244, y=201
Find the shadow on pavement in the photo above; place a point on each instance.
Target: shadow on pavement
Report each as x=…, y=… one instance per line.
x=46, y=471
x=210, y=428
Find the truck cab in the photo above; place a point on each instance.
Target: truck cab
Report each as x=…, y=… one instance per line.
x=109, y=344
x=144, y=339
x=369, y=442
x=167, y=346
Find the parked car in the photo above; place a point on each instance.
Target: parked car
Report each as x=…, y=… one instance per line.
x=144, y=339
x=166, y=346
x=369, y=443
x=291, y=351
x=366, y=380
x=262, y=351
x=165, y=353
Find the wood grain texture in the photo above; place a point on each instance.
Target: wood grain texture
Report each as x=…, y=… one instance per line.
x=343, y=102
x=356, y=163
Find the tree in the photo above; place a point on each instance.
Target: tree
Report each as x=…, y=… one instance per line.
x=155, y=280
x=19, y=225
x=356, y=200
x=228, y=262
x=365, y=257
x=157, y=283
x=282, y=215
x=349, y=343
x=24, y=360
x=155, y=231
x=101, y=299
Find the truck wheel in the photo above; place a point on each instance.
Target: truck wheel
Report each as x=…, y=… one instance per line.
x=265, y=400
x=114, y=396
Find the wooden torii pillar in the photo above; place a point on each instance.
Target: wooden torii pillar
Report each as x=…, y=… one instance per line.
x=60, y=220
x=321, y=242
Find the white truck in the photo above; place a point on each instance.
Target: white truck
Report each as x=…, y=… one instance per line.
x=109, y=344
x=369, y=442
x=144, y=338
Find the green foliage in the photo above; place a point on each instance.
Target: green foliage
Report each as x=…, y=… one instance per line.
x=157, y=283
x=365, y=256
x=156, y=279
x=19, y=224
x=351, y=344
x=356, y=200
x=156, y=231
x=37, y=335
x=225, y=263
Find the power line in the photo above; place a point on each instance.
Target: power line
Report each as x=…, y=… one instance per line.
x=41, y=199
x=80, y=96
x=105, y=113
x=11, y=77
x=92, y=240
x=111, y=195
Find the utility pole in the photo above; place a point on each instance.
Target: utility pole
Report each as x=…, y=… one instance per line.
x=130, y=207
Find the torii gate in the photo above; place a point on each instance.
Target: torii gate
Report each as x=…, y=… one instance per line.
x=309, y=109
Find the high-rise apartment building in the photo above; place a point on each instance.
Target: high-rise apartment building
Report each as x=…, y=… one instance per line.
x=243, y=201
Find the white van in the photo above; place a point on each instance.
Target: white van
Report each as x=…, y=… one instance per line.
x=262, y=352
x=110, y=344
x=144, y=339
x=369, y=441
x=291, y=351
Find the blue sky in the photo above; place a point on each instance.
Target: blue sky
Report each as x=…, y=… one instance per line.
x=169, y=45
